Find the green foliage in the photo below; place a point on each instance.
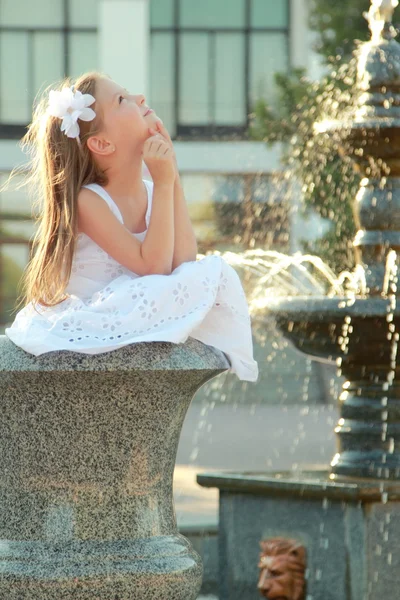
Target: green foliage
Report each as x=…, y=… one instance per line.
x=329, y=183
x=338, y=24
x=9, y=281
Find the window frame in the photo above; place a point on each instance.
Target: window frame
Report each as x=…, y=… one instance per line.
x=203, y=132
x=210, y=131
x=14, y=131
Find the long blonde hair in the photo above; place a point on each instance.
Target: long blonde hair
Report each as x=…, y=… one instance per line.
x=59, y=167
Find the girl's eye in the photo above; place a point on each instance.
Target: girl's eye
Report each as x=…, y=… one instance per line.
x=123, y=97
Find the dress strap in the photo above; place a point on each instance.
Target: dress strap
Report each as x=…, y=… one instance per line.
x=96, y=187
x=150, y=186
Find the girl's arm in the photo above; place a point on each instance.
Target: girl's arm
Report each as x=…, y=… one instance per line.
x=185, y=244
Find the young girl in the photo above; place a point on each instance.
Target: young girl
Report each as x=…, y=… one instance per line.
x=115, y=254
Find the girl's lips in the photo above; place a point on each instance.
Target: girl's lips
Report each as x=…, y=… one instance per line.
x=148, y=112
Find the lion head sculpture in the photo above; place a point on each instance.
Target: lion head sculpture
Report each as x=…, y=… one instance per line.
x=282, y=567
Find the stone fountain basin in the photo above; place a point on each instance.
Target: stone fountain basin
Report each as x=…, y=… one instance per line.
x=373, y=118
x=319, y=327
x=374, y=133
x=309, y=482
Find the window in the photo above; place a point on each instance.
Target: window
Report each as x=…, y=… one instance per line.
x=268, y=55
x=211, y=61
x=162, y=64
x=269, y=13
x=41, y=41
x=237, y=211
x=212, y=14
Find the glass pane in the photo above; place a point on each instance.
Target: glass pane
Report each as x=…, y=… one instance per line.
x=194, y=79
x=212, y=13
x=251, y=209
x=83, y=53
x=13, y=201
x=83, y=14
x=217, y=209
x=32, y=13
x=161, y=13
x=162, y=69
x=229, y=189
x=268, y=54
x=272, y=189
x=269, y=13
x=230, y=83
x=228, y=197
x=48, y=63
x=15, y=105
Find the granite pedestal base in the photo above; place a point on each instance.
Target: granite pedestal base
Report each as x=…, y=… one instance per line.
x=350, y=530
x=87, y=452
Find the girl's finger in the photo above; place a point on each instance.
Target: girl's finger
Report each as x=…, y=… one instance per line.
x=155, y=129
x=164, y=133
x=161, y=131
x=161, y=128
x=154, y=132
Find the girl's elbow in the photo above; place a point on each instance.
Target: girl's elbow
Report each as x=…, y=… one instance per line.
x=161, y=269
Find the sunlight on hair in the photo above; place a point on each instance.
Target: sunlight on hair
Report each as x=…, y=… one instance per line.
x=58, y=167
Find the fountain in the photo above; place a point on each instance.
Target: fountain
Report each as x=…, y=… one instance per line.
x=337, y=528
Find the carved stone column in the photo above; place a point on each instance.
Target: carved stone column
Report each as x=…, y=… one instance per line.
x=87, y=449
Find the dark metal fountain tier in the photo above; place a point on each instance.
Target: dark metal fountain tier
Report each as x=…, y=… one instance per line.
x=360, y=333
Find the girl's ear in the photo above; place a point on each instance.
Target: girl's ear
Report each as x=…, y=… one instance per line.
x=99, y=145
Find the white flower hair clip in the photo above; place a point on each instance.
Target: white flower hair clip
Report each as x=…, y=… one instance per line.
x=71, y=106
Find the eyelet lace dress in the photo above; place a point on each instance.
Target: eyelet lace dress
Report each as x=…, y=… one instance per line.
x=110, y=306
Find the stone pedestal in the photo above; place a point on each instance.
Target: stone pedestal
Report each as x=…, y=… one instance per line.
x=350, y=532
x=87, y=452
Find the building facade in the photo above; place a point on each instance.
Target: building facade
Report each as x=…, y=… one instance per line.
x=201, y=65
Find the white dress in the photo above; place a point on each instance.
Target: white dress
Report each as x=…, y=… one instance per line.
x=109, y=306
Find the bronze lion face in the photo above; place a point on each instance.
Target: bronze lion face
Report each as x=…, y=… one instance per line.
x=282, y=567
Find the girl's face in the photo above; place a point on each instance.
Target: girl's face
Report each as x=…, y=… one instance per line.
x=124, y=122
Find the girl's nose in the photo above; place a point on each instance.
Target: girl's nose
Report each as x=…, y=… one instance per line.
x=141, y=98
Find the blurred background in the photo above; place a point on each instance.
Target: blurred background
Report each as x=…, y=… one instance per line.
x=238, y=84
x=202, y=67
